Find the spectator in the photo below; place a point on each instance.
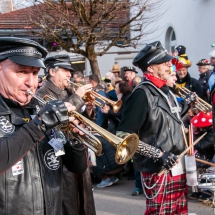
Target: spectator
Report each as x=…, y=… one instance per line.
x=204, y=70
x=130, y=73
x=185, y=80
x=78, y=77
x=86, y=80
x=123, y=90
x=116, y=70
x=106, y=167
x=89, y=111
x=137, y=80
x=179, y=50
x=109, y=77
x=94, y=80
x=41, y=81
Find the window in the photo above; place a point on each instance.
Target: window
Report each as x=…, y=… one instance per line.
x=170, y=40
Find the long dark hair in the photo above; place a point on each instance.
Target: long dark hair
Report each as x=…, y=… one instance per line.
x=124, y=87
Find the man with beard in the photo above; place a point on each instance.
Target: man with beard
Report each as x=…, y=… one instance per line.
x=204, y=70
x=77, y=192
x=30, y=170
x=130, y=73
x=158, y=123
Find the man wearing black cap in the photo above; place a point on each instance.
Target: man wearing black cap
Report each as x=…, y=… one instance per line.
x=30, y=171
x=58, y=72
x=153, y=112
x=130, y=73
x=205, y=72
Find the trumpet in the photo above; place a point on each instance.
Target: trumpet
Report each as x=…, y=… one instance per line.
x=88, y=98
x=201, y=104
x=125, y=148
x=89, y=140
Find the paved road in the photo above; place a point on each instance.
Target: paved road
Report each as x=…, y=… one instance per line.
x=117, y=200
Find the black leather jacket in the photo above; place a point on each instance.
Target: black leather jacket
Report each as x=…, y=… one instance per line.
x=64, y=95
x=38, y=190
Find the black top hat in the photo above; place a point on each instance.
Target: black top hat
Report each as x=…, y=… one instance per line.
x=22, y=51
x=152, y=53
x=181, y=50
x=130, y=68
x=62, y=61
x=203, y=62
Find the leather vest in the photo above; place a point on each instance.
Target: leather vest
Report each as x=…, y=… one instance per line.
x=162, y=127
x=38, y=190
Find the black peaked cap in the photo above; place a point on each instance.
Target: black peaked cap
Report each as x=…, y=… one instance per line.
x=62, y=61
x=130, y=68
x=152, y=53
x=22, y=51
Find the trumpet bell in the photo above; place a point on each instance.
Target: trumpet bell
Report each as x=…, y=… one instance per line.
x=126, y=149
x=116, y=106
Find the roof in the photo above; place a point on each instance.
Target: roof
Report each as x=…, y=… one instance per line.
x=17, y=19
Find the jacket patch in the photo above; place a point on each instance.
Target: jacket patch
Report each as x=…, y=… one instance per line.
x=51, y=160
x=6, y=126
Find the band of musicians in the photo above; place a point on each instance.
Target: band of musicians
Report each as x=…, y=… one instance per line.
x=61, y=130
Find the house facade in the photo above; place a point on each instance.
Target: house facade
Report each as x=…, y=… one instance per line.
x=184, y=22
x=188, y=23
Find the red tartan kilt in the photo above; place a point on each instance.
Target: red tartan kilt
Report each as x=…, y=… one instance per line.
x=173, y=201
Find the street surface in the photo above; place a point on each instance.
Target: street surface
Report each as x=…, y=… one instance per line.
x=117, y=200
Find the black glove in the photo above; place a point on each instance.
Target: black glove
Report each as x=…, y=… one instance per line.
x=167, y=160
x=52, y=114
x=190, y=97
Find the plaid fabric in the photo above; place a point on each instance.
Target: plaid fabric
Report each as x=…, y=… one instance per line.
x=172, y=198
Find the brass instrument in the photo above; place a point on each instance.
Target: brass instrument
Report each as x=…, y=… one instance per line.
x=125, y=148
x=201, y=104
x=89, y=140
x=89, y=97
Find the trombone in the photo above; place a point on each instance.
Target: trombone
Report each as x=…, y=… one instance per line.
x=88, y=98
x=201, y=104
x=125, y=148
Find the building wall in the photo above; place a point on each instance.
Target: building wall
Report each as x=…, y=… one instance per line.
x=192, y=21
x=123, y=56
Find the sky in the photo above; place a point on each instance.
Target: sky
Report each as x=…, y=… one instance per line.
x=5, y=5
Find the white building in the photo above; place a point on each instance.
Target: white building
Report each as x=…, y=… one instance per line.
x=185, y=22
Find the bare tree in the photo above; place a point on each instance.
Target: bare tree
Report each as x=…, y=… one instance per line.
x=92, y=27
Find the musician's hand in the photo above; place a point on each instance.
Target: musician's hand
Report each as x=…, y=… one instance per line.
x=81, y=91
x=53, y=114
x=191, y=97
x=105, y=109
x=76, y=122
x=168, y=160
x=69, y=106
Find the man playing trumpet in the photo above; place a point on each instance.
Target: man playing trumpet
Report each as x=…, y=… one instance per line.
x=30, y=170
x=58, y=72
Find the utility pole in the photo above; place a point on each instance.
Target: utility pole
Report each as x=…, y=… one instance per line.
x=11, y=2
